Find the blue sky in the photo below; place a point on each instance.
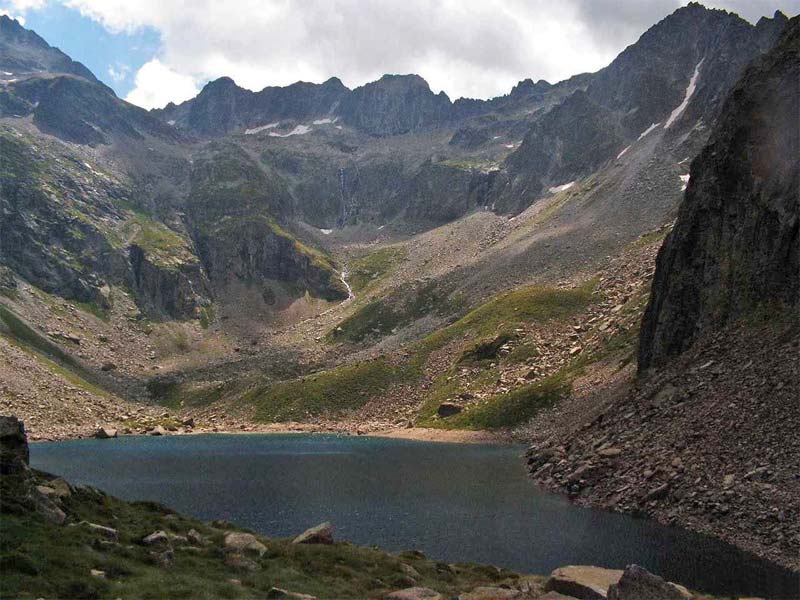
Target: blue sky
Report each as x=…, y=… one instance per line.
x=156, y=51
x=90, y=43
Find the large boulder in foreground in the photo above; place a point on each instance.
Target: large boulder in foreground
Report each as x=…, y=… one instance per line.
x=583, y=582
x=637, y=583
x=320, y=534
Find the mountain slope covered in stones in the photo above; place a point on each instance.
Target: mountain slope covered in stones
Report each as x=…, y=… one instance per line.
x=704, y=437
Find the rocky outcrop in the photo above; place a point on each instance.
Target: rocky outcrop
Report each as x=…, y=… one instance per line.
x=14, y=454
x=234, y=216
x=19, y=490
x=736, y=244
x=222, y=107
x=393, y=105
x=177, y=291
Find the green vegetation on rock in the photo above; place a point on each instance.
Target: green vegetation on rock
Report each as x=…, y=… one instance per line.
x=375, y=266
x=328, y=392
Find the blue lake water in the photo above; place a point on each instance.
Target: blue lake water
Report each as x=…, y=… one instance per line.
x=454, y=502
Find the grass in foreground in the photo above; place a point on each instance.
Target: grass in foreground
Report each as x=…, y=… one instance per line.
x=40, y=559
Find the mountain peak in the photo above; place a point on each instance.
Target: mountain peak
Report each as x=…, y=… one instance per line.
x=24, y=51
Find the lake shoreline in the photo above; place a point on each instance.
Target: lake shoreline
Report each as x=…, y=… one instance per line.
x=420, y=434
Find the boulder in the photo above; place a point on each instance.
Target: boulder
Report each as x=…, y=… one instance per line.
x=490, y=593
x=281, y=593
x=46, y=507
x=164, y=559
x=320, y=534
x=448, y=409
x=156, y=538
x=108, y=366
x=556, y=596
x=582, y=582
x=241, y=562
x=105, y=433
x=61, y=487
x=107, y=532
x=195, y=538
x=97, y=573
x=158, y=430
x=409, y=571
x=638, y=583
x=414, y=593
x=240, y=542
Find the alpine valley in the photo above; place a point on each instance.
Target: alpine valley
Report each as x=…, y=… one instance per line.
x=605, y=269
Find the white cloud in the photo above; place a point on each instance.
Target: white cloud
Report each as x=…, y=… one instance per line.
x=118, y=72
x=474, y=48
x=156, y=85
x=8, y=13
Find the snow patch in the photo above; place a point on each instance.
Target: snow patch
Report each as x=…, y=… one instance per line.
x=511, y=145
x=323, y=121
x=648, y=130
x=299, y=130
x=7, y=73
x=326, y=231
x=338, y=127
x=685, y=180
x=623, y=152
x=561, y=188
x=262, y=128
x=171, y=122
x=381, y=227
x=689, y=92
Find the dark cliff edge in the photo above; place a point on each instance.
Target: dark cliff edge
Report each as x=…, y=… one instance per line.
x=735, y=247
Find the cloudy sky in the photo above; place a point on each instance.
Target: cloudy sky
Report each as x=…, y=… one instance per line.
x=155, y=51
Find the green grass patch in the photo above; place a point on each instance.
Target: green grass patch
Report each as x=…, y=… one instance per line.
x=328, y=392
x=383, y=316
x=374, y=266
x=207, y=316
x=42, y=560
x=513, y=408
x=168, y=392
x=485, y=349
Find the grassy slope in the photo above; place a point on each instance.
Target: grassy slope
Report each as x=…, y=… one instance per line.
x=39, y=559
x=348, y=387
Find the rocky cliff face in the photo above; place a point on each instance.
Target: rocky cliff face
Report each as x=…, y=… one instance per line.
x=735, y=246
x=222, y=106
x=234, y=215
x=395, y=104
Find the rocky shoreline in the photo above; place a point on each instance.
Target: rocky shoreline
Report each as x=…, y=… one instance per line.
x=708, y=443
